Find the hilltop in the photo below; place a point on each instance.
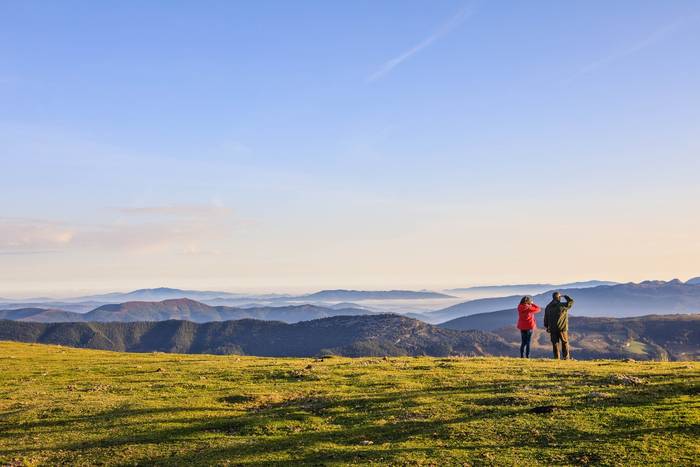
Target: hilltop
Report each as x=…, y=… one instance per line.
x=84, y=407
x=378, y=335
x=649, y=337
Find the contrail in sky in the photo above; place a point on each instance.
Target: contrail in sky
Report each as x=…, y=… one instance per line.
x=656, y=36
x=454, y=22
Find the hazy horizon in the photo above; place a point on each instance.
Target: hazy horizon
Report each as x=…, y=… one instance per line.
x=298, y=146
x=69, y=292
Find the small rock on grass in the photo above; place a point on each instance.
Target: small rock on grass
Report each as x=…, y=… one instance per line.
x=627, y=380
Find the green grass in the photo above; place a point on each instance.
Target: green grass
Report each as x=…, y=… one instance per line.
x=637, y=347
x=82, y=407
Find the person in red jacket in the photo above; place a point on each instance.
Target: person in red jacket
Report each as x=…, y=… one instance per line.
x=526, y=324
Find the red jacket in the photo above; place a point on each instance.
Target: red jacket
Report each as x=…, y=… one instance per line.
x=526, y=316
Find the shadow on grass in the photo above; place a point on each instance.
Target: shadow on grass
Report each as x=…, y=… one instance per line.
x=387, y=419
x=352, y=421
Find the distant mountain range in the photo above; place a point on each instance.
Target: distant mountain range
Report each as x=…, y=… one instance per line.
x=650, y=337
x=650, y=297
x=476, y=327
x=179, y=309
x=76, y=307
x=41, y=315
x=358, y=295
x=215, y=298
x=156, y=295
x=530, y=289
x=377, y=335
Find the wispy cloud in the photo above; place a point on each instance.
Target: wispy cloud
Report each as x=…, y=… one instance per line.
x=655, y=37
x=27, y=236
x=26, y=252
x=183, y=229
x=178, y=210
x=454, y=22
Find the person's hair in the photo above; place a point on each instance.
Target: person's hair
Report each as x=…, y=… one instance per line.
x=524, y=300
x=556, y=295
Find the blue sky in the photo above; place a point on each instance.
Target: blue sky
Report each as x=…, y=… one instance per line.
x=264, y=145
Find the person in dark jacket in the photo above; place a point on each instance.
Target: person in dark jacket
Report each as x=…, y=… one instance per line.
x=556, y=322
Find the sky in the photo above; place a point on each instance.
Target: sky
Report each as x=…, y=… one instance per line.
x=284, y=145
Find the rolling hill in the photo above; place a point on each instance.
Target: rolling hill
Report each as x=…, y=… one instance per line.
x=389, y=301
x=41, y=315
x=480, y=305
x=180, y=309
x=651, y=337
x=658, y=337
x=621, y=300
x=377, y=335
x=488, y=321
x=667, y=337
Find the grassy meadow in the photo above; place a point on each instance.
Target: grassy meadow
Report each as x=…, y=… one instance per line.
x=68, y=406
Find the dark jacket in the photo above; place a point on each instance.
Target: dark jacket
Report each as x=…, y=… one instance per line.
x=556, y=315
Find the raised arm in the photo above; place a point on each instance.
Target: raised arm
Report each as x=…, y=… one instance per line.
x=569, y=303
